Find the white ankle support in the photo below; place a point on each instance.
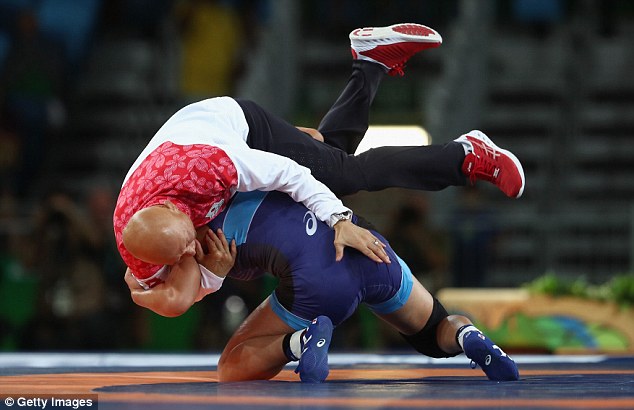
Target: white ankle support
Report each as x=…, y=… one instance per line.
x=296, y=343
x=466, y=329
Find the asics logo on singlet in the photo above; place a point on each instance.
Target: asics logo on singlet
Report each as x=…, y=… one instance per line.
x=487, y=360
x=311, y=223
x=321, y=342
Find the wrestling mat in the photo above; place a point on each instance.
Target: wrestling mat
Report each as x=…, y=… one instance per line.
x=356, y=381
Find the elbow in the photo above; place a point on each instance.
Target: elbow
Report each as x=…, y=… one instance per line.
x=169, y=304
x=173, y=311
x=176, y=305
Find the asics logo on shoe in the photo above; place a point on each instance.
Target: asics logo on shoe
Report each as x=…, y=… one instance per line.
x=490, y=151
x=311, y=224
x=305, y=341
x=321, y=342
x=487, y=360
x=500, y=350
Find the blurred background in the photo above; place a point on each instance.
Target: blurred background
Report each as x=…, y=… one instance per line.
x=84, y=84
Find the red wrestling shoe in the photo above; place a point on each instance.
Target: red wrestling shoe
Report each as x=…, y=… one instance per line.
x=488, y=162
x=392, y=46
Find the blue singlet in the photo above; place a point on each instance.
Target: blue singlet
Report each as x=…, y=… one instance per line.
x=275, y=234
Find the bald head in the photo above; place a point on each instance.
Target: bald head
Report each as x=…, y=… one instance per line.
x=160, y=235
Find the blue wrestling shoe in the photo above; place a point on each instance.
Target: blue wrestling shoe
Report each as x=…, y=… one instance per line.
x=313, y=365
x=494, y=362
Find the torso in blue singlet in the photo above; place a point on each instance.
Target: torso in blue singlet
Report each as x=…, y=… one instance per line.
x=277, y=235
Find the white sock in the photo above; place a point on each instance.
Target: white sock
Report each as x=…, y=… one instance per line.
x=296, y=343
x=468, y=328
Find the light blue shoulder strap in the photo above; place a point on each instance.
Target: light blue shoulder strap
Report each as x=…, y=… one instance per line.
x=240, y=214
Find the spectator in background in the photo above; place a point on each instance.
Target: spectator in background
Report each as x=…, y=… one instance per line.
x=72, y=311
x=425, y=248
x=211, y=43
x=31, y=87
x=215, y=38
x=538, y=18
x=337, y=16
x=473, y=235
x=10, y=156
x=17, y=284
x=100, y=206
x=100, y=203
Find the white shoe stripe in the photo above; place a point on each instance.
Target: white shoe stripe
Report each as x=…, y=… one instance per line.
x=369, y=37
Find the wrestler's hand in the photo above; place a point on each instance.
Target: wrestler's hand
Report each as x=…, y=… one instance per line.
x=349, y=234
x=312, y=132
x=219, y=256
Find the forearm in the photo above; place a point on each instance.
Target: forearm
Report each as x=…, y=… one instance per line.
x=174, y=296
x=265, y=171
x=157, y=299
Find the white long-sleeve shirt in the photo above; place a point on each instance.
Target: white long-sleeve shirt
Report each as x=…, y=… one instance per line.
x=198, y=159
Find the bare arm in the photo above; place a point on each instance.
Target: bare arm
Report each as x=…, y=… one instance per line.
x=182, y=287
x=174, y=296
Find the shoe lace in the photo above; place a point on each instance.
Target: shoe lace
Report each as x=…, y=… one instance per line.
x=483, y=168
x=397, y=69
x=404, y=54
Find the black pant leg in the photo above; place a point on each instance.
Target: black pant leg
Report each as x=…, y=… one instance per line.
x=328, y=164
x=428, y=168
x=345, y=124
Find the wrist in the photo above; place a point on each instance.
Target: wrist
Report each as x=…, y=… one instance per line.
x=209, y=280
x=340, y=217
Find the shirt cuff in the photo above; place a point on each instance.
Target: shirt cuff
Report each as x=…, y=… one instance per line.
x=339, y=216
x=209, y=282
x=158, y=277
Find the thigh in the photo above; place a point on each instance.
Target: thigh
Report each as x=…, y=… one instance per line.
x=320, y=286
x=345, y=124
x=255, y=352
x=413, y=316
x=331, y=166
x=260, y=323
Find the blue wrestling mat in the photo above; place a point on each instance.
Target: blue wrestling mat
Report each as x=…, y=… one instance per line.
x=356, y=381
